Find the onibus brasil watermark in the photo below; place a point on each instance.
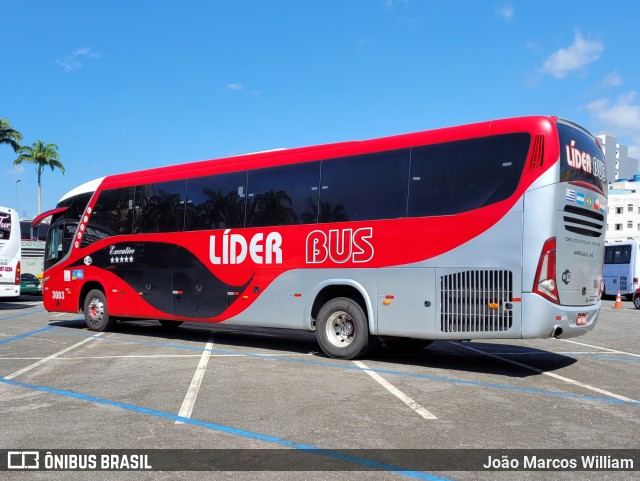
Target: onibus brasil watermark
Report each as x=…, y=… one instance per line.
x=316, y=459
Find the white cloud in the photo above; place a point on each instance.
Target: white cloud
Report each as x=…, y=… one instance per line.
x=390, y=4
x=73, y=61
x=580, y=53
x=16, y=170
x=238, y=87
x=506, y=12
x=621, y=117
x=613, y=79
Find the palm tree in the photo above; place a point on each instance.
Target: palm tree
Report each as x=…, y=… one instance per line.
x=8, y=135
x=43, y=155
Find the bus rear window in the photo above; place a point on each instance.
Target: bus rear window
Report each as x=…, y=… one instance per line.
x=617, y=254
x=581, y=160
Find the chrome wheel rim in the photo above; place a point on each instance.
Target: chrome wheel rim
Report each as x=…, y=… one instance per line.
x=340, y=329
x=95, y=311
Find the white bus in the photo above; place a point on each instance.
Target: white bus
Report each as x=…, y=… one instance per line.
x=10, y=250
x=621, y=267
x=33, y=240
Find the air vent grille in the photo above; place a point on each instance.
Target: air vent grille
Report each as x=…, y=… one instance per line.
x=584, y=222
x=476, y=301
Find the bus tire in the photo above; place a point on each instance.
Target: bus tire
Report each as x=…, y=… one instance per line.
x=96, y=314
x=342, y=329
x=170, y=324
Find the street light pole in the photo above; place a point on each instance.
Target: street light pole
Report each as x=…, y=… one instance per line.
x=17, y=203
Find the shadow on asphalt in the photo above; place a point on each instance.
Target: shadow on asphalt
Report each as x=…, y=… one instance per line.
x=441, y=355
x=459, y=356
x=20, y=302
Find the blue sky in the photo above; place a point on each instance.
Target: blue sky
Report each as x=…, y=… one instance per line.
x=127, y=85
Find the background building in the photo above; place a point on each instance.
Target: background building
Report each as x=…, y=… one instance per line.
x=623, y=213
x=619, y=165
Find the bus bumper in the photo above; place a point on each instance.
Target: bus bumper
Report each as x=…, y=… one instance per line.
x=543, y=319
x=9, y=291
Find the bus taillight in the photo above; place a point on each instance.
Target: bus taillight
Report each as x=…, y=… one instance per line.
x=17, y=281
x=545, y=281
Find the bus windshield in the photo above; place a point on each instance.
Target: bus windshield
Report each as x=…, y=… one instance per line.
x=581, y=160
x=63, y=228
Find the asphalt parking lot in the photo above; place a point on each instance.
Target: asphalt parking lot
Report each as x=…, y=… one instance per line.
x=215, y=387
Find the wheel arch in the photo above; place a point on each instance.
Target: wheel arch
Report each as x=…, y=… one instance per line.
x=333, y=288
x=86, y=288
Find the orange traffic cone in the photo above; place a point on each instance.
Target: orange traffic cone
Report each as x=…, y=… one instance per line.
x=618, y=304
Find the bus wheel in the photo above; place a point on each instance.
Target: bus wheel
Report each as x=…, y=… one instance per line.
x=342, y=329
x=170, y=324
x=96, y=314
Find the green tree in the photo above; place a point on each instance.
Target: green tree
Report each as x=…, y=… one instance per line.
x=8, y=135
x=42, y=155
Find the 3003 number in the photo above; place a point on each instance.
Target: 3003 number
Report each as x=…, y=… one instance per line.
x=57, y=295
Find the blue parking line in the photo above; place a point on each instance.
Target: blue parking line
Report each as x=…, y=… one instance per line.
x=26, y=334
x=470, y=383
x=20, y=315
x=352, y=367
x=230, y=430
x=31, y=333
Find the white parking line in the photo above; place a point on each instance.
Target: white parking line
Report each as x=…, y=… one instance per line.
x=613, y=351
x=52, y=356
x=551, y=374
x=395, y=391
x=544, y=353
x=196, y=382
x=211, y=354
x=150, y=356
x=136, y=356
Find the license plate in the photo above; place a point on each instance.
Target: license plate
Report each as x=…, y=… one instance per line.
x=30, y=285
x=581, y=320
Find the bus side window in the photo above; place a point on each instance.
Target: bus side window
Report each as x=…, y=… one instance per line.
x=283, y=195
x=454, y=177
x=216, y=201
x=160, y=207
x=364, y=187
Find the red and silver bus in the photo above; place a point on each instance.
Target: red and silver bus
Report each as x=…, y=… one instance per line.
x=493, y=230
x=10, y=247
